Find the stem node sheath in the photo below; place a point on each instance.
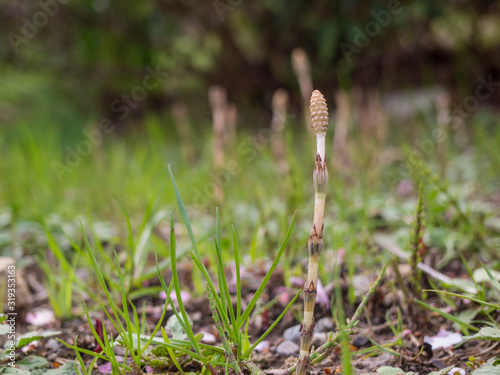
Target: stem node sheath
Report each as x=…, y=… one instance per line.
x=319, y=123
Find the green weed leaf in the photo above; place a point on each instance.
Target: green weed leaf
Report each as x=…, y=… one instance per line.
x=488, y=333
x=388, y=370
x=33, y=336
x=488, y=368
x=174, y=326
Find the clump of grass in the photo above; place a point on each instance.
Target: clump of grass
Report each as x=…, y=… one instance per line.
x=232, y=324
x=124, y=319
x=319, y=120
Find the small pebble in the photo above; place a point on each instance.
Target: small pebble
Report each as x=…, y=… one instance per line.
x=361, y=284
x=359, y=341
x=120, y=350
x=287, y=348
x=261, y=346
x=438, y=364
x=208, y=338
x=52, y=344
x=319, y=338
x=292, y=334
x=196, y=316
x=324, y=325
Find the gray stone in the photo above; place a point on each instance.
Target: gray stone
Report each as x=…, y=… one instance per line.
x=373, y=363
x=324, y=325
x=208, y=338
x=287, y=348
x=361, y=284
x=120, y=350
x=261, y=346
x=52, y=344
x=360, y=341
x=292, y=334
x=319, y=338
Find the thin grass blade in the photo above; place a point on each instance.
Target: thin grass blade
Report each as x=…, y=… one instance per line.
x=263, y=284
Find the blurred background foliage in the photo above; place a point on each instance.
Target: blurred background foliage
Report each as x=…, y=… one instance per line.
x=90, y=52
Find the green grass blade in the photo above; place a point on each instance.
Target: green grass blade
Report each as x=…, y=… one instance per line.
x=220, y=279
x=103, y=344
x=190, y=353
x=185, y=218
x=141, y=249
x=494, y=281
x=222, y=332
x=497, y=307
x=195, y=254
x=126, y=316
x=238, y=275
x=224, y=287
x=98, y=244
x=56, y=250
x=80, y=361
x=212, y=288
x=448, y=316
x=238, y=293
x=268, y=331
x=118, y=325
x=263, y=284
x=384, y=348
x=175, y=280
x=130, y=236
x=220, y=265
x=85, y=351
x=109, y=348
x=163, y=265
x=132, y=352
x=170, y=351
x=130, y=232
x=160, y=321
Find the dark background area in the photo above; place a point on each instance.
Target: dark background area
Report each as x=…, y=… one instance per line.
x=86, y=54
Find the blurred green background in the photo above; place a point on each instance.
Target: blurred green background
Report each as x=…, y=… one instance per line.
x=83, y=55
x=97, y=97
x=70, y=67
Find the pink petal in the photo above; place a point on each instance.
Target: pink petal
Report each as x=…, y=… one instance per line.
x=106, y=368
x=186, y=296
x=40, y=317
x=444, y=339
x=321, y=296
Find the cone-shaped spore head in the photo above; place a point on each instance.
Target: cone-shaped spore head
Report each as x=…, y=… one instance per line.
x=319, y=112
